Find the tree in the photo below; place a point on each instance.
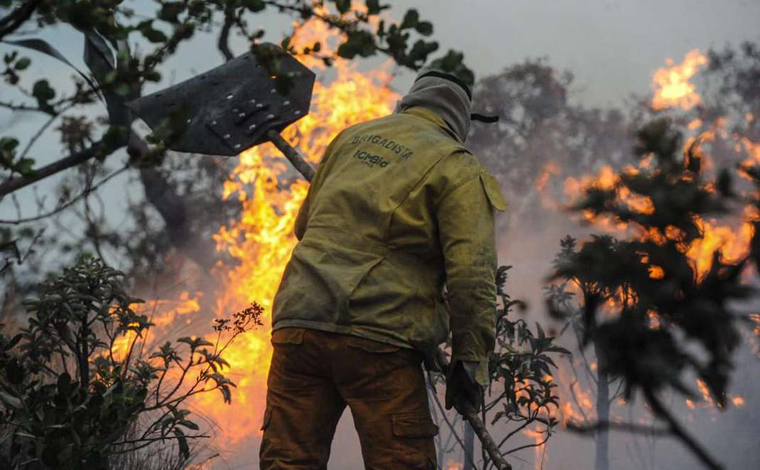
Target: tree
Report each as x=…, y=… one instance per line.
x=597, y=374
x=643, y=299
x=70, y=398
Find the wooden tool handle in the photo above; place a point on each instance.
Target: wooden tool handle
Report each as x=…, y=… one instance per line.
x=291, y=154
x=471, y=415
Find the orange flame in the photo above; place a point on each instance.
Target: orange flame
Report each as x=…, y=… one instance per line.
x=672, y=85
x=538, y=437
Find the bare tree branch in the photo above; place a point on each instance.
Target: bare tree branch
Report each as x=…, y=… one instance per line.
x=88, y=190
x=17, y=17
x=224, y=36
x=608, y=425
x=679, y=432
x=98, y=149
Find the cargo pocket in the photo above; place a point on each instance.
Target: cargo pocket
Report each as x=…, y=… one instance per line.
x=413, y=435
x=286, y=371
x=286, y=336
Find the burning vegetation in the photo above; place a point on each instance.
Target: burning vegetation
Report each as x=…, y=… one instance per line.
x=652, y=306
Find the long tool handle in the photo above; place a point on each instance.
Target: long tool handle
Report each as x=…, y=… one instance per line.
x=291, y=154
x=468, y=413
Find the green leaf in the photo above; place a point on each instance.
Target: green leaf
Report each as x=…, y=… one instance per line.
x=254, y=5
x=10, y=400
x=25, y=166
x=360, y=43
x=421, y=50
x=189, y=424
x=8, y=144
x=9, y=58
x=43, y=93
x=170, y=11
x=343, y=5
x=64, y=384
x=184, y=449
x=42, y=90
x=22, y=63
x=152, y=34
x=411, y=18
x=374, y=7
x=425, y=28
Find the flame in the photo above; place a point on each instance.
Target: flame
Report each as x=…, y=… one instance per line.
x=672, y=85
x=551, y=169
x=731, y=245
x=262, y=240
x=452, y=465
x=538, y=436
x=162, y=313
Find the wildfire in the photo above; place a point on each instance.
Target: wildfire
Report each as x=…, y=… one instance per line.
x=162, y=313
x=673, y=87
x=707, y=401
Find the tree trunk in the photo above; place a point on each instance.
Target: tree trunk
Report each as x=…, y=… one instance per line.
x=602, y=437
x=173, y=209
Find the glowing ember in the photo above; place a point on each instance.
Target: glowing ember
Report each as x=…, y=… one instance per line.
x=672, y=85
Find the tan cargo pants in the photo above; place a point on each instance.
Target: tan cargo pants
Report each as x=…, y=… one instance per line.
x=315, y=374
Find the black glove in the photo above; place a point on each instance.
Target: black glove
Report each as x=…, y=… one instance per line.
x=462, y=389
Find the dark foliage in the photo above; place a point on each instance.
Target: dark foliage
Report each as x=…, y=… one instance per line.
x=68, y=400
x=650, y=314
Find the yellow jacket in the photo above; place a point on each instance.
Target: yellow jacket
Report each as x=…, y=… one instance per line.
x=397, y=208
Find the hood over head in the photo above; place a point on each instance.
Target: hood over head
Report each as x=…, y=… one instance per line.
x=443, y=94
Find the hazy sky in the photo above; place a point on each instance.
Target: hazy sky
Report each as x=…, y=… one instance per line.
x=612, y=46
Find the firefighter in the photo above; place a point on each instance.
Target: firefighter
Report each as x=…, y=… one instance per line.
x=398, y=208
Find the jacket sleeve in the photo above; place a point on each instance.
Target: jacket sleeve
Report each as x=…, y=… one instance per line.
x=302, y=218
x=465, y=219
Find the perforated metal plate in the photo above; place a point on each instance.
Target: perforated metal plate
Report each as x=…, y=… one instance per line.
x=230, y=108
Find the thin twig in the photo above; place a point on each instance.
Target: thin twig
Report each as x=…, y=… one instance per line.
x=679, y=432
x=609, y=425
x=73, y=201
x=17, y=17
x=528, y=446
x=97, y=149
x=42, y=129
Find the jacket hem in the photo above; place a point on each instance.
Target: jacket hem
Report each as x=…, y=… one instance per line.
x=341, y=329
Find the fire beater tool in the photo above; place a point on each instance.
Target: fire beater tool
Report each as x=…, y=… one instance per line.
x=237, y=106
